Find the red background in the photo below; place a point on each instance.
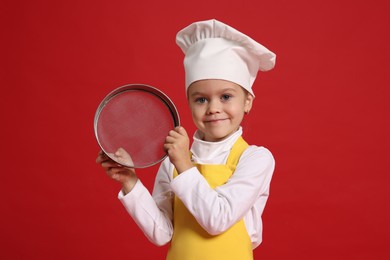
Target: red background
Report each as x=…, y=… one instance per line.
x=323, y=112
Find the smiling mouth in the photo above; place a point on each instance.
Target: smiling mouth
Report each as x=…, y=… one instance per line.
x=215, y=120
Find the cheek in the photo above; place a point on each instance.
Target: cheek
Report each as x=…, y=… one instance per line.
x=235, y=110
x=196, y=114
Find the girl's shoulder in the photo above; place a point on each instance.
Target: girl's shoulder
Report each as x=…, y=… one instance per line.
x=261, y=150
x=257, y=154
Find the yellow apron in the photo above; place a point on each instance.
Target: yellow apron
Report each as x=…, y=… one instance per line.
x=190, y=241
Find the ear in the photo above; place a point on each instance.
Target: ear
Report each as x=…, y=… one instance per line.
x=248, y=103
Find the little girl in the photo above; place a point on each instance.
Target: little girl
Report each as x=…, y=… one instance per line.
x=208, y=200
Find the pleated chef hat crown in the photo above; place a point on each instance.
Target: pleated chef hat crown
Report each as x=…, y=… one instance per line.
x=214, y=50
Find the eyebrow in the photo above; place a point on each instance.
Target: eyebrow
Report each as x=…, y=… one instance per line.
x=196, y=93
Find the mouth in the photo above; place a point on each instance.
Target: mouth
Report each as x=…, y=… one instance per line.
x=214, y=120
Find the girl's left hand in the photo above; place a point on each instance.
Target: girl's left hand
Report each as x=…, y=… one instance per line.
x=177, y=146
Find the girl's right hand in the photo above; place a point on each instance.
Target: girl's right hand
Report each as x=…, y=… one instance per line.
x=126, y=176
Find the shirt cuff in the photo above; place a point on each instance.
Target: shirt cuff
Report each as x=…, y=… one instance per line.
x=185, y=176
x=135, y=192
x=188, y=183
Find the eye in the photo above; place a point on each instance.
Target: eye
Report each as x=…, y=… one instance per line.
x=225, y=97
x=200, y=100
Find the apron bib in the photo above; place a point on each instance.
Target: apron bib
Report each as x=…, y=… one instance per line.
x=190, y=241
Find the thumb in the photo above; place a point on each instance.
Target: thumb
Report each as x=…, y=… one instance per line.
x=124, y=157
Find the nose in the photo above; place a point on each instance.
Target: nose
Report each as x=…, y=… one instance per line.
x=213, y=107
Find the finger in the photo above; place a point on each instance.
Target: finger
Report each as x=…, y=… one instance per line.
x=171, y=148
x=166, y=146
x=110, y=173
x=101, y=158
x=181, y=130
x=111, y=164
x=117, y=173
x=170, y=139
x=115, y=170
x=174, y=133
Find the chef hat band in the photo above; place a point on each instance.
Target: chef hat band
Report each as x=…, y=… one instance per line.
x=214, y=50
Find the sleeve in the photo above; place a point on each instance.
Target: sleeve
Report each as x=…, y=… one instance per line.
x=216, y=210
x=153, y=214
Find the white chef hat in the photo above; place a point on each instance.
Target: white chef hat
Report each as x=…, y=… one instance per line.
x=214, y=50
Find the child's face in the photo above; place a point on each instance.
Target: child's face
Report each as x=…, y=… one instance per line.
x=218, y=107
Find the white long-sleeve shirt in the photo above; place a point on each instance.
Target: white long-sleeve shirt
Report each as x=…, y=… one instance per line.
x=243, y=196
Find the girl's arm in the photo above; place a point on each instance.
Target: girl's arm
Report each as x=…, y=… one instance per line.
x=217, y=210
x=152, y=214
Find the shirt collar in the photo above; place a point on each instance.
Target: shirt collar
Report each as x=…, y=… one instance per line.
x=205, y=151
